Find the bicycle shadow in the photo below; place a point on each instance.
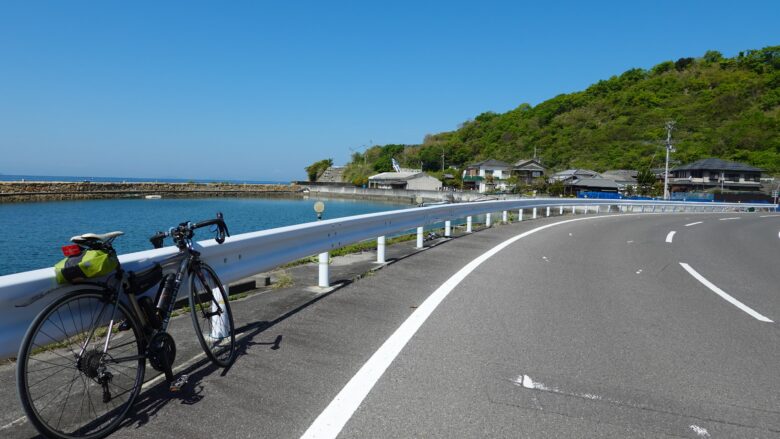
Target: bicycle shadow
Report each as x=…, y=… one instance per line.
x=152, y=400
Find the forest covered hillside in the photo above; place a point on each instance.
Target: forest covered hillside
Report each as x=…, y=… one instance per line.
x=722, y=107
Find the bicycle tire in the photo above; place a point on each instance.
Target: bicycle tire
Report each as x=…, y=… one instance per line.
x=216, y=333
x=77, y=364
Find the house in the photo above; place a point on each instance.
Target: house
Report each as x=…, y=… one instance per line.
x=578, y=180
x=528, y=170
x=712, y=173
x=573, y=173
x=587, y=184
x=486, y=175
x=624, y=178
x=406, y=180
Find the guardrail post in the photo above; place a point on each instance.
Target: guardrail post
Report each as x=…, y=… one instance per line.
x=487, y=220
x=324, y=280
x=548, y=210
x=504, y=218
x=468, y=224
x=533, y=215
x=560, y=210
x=380, y=250
x=520, y=214
x=447, y=228
x=573, y=210
x=598, y=209
x=653, y=211
x=419, y=237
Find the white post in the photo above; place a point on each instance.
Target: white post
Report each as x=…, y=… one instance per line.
x=419, y=237
x=560, y=210
x=487, y=220
x=504, y=218
x=548, y=210
x=653, y=211
x=573, y=210
x=380, y=250
x=598, y=209
x=520, y=215
x=324, y=280
x=533, y=215
x=643, y=208
x=447, y=228
x=468, y=224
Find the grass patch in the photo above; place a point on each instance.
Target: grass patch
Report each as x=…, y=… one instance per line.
x=283, y=280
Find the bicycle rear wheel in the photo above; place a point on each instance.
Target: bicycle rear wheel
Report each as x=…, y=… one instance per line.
x=68, y=386
x=211, y=316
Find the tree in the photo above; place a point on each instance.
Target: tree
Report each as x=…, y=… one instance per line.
x=713, y=56
x=315, y=170
x=645, y=179
x=556, y=188
x=683, y=63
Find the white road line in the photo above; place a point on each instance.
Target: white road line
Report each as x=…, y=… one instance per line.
x=724, y=294
x=727, y=219
x=693, y=224
x=670, y=236
x=768, y=216
x=19, y=421
x=700, y=431
x=330, y=422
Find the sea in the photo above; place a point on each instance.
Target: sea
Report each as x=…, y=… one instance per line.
x=71, y=178
x=33, y=233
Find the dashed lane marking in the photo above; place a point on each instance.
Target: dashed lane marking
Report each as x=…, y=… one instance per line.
x=670, y=236
x=693, y=224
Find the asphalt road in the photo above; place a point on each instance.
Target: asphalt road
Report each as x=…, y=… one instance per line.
x=589, y=328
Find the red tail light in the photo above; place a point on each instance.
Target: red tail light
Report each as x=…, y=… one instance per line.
x=71, y=250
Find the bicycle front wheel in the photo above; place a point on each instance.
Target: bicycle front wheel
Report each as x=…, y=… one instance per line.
x=71, y=382
x=211, y=316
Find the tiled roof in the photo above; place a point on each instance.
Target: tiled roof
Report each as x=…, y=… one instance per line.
x=716, y=165
x=490, y=163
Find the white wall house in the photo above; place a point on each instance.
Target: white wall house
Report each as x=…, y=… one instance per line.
x=487, y=175
x=404, y=180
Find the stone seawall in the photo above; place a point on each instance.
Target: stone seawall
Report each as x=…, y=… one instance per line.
x=400, y=195
x=50, y=191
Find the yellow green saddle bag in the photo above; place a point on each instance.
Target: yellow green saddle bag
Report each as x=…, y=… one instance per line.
x=88, y=264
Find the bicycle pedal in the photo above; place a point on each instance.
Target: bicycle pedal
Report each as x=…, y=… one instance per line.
x=178, y=383
x=123, y=326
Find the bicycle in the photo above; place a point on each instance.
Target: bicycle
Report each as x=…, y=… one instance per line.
x=81, y=364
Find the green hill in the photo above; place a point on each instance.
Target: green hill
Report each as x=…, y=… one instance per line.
x=723, y=107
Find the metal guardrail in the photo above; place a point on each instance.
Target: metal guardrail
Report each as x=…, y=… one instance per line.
x=250, y=253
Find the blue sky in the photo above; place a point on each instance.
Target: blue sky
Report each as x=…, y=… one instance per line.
x=258, y=90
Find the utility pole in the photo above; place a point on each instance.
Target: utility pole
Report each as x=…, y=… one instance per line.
x=669, y=128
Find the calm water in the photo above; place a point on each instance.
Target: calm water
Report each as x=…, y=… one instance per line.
x=4, y=177
x=31, y=234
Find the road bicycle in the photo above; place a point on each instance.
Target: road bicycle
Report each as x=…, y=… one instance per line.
x=81, y=364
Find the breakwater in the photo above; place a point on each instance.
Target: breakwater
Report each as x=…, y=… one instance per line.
x=52, y=191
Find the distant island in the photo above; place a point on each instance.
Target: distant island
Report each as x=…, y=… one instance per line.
x=723, y=107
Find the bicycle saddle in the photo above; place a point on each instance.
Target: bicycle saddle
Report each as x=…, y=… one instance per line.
x=96, y=237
